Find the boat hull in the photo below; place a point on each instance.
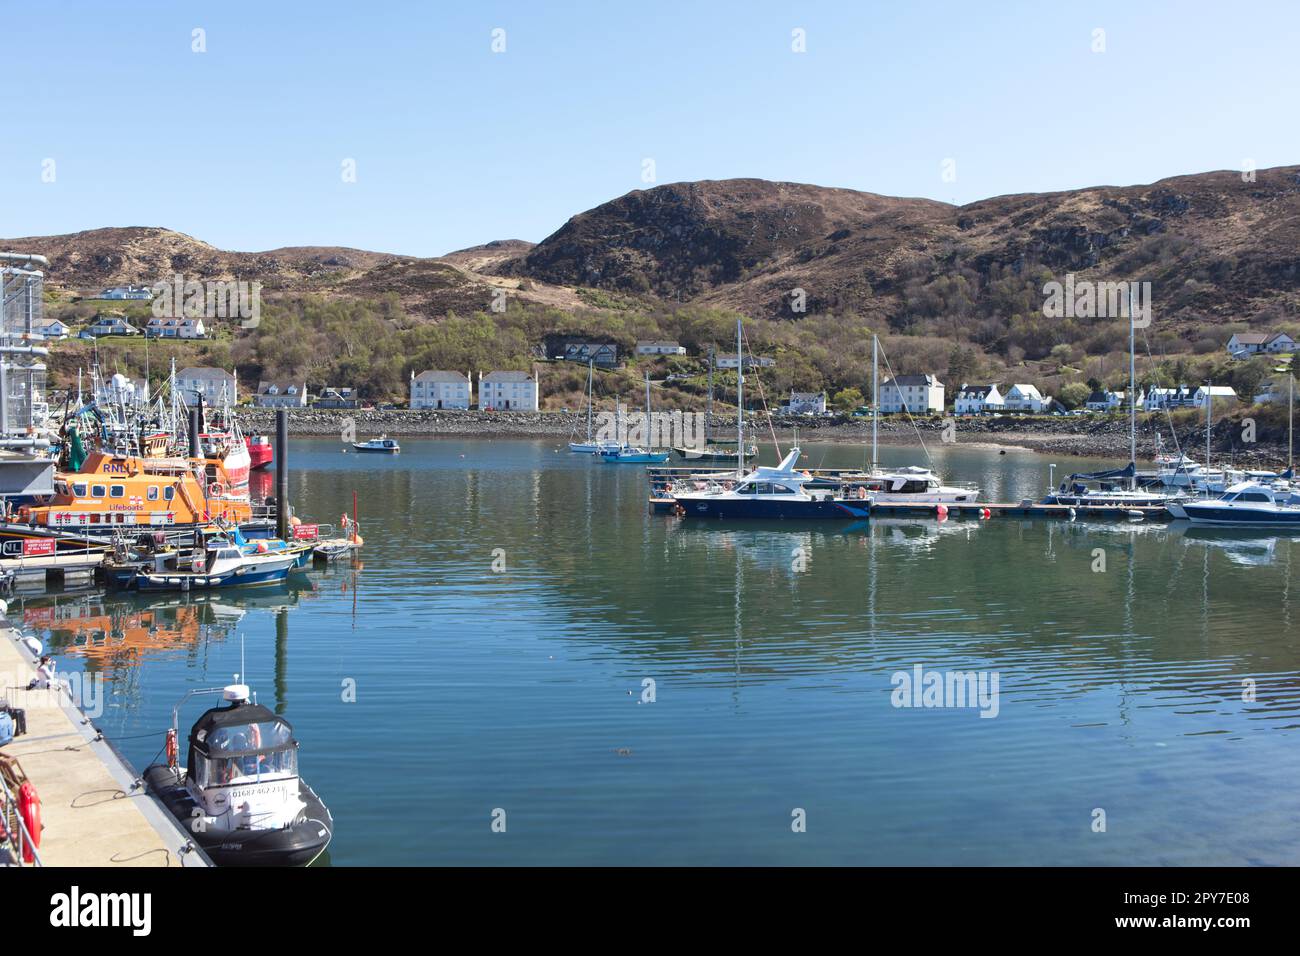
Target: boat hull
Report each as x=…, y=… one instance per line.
x=269, y=572
x=1221, y=515
x=722, y=507
x=296, y=845
x=259, y=455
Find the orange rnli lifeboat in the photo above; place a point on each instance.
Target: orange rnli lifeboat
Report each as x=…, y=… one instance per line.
x=119, y=490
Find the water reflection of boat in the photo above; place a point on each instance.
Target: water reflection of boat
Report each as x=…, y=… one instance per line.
x=1248, y=546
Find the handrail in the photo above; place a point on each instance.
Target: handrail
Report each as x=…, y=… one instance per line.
x=17, y=847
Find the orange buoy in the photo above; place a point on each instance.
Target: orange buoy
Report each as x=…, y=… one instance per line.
x=295, y=520
x=171, y=747
x=942, y=511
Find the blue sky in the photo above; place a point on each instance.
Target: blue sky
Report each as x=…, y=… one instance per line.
x=243, y=145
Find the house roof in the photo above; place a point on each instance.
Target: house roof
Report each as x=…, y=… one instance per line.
x=441, y=375
x=806, y=396
x=281, y=388
x=205, y=372
x=976, y=391
x=507, y=377
x=912, y=380
x=671, y=345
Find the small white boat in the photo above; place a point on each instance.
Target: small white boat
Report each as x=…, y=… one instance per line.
x=382, y=445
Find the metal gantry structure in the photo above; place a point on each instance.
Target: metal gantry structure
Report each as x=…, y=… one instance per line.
x=25, y=440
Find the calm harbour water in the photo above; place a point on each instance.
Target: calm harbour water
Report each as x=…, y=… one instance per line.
x=520, y=689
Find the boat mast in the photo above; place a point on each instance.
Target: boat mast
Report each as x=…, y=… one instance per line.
x=708, y=414
x=740, y=402
x=1290, y=416
x=1209, y=401
x=1132, y=391
x=649, y=428
x=875, y=398
x=591, y=370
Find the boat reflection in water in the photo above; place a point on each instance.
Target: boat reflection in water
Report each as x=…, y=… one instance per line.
x=114, y=631
x=1249, y=547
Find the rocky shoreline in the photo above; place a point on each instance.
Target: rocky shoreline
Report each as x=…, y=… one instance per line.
x=1094, y=437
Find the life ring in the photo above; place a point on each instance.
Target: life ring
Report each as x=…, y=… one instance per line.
x=216, y=490
x=171, y=747
x=29, y=805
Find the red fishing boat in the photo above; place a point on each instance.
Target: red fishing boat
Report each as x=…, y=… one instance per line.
x=259, y=451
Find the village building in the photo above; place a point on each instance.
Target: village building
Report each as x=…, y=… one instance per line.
x=438, y=388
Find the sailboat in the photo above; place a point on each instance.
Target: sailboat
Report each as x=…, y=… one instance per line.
x=714, y=449
x=590, y=446
x=627, y=454
x=910, y=484
x=766, y=492
x=1117, y=486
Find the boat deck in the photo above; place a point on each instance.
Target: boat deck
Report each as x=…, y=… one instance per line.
x=91, y=814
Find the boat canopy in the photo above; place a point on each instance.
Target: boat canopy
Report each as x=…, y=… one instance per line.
x=1128, y=471
x=240, y=741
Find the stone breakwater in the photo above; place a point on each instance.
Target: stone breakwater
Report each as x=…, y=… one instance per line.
x=1098, y=437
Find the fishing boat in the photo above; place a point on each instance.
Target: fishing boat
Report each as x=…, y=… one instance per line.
x=260, y=452
x=218, y=562
x=239, y=794
x=771, y=492
x=383, y=445
x=1248, y=503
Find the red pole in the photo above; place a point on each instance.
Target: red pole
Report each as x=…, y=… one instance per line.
x=354, y=514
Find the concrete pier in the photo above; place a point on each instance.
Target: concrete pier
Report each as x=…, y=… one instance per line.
x=93, y=815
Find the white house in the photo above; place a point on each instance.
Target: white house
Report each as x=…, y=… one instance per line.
x=281, y=395
x=122, y=292
x=437, y=388
x=916, y=393
x=1026, y=398
x=807, y=403
x=216, y=385
x=1104, y=401
x=1218, y=393
x=51, y=329
x=159, y=328
x=507, y=391
x=111, y=325
x=1246, y=344
x=978, y=400
x=659, y=348
x=751, y=361
x=1157, y=398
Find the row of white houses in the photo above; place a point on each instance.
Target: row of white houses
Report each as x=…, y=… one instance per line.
x=498, y=391
x=989, y=399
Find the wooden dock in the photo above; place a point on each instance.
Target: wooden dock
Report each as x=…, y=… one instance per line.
x=92, y=812
x=44, y=570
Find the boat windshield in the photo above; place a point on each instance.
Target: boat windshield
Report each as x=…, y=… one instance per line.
x=243, y=751
x=214, y=771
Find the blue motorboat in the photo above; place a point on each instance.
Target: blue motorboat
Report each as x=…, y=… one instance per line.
x=1248, y=503
x=628, y=455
